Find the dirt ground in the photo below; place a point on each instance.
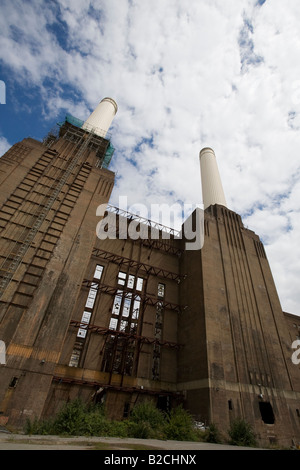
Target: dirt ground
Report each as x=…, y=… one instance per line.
x=9, y=441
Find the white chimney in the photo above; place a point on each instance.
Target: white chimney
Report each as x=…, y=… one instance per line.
x=100, y=120
x=212, y=189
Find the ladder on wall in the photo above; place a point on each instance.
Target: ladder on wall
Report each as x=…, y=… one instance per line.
x=14, y=260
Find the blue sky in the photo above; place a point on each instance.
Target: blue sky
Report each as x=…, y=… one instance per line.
x=186, y=74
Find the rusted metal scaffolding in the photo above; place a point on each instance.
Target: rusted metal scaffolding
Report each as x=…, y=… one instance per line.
x=119, y=388
x=146, y=298
x=159, y=237
x=101, y=330
x=130, y=263
x=150, y=223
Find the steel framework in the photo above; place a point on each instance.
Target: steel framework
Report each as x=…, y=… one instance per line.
x=149, y=269
x=73, y=381
x=101, y=330
x=150, y=223
x=146, y=298
x=164, y=239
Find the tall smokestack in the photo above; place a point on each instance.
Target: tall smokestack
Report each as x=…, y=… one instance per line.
x=100, y=119
x=212, y=189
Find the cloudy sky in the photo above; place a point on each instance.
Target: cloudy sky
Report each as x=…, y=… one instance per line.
x=186, y=74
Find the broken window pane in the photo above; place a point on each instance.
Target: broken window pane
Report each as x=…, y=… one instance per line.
x=123, y=325
x=81, y=333
x=121, y=278
x=98, y=271
x=126, y=306
x=139, y=283
x=113, y=323
x=91, y=298
x=130, y=282
x=161, y=290
x=74, y=360
x=136, y=308
x=117, y=303
x=86, y=317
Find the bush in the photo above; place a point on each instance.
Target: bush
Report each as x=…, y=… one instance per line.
x=118, y=429
x=180, y=426
x=212, y=434
x=241, y=434
x=146, y=421
x=71, y=419
x=141, y=430
x=147, y=412
x=74, y=419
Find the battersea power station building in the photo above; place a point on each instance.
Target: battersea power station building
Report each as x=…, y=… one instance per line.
x=120, y=319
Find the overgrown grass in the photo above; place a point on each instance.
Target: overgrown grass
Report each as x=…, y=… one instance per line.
x=145, y=422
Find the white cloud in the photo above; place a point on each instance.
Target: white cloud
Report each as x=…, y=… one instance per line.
x=4, y=145
x=185, y=74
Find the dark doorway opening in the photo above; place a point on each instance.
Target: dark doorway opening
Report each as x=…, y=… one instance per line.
x=164, y=403
x=266, y=412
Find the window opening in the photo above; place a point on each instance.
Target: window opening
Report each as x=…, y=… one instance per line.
x=139, y=283
x=161, y=290
x=158, y=332
x=117, y=303
x=130, y=282
x=113, y=324
x=126, y=306
x=164, y=403
x=85, y=319
x=136, y=308
x=91, y=296
x=119, y=351
x=126, y=410
x=123, y=325
x=121, y=278
x=266, y=412
x=75, y=356
x=98, y=272
x=100, y=395
x=13, y=382
x=86, y=316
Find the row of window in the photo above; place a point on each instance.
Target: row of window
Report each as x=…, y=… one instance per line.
x=124, y=317
x=119, y=352
x=156, y=357
x=86, y=316
x=126, y=306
